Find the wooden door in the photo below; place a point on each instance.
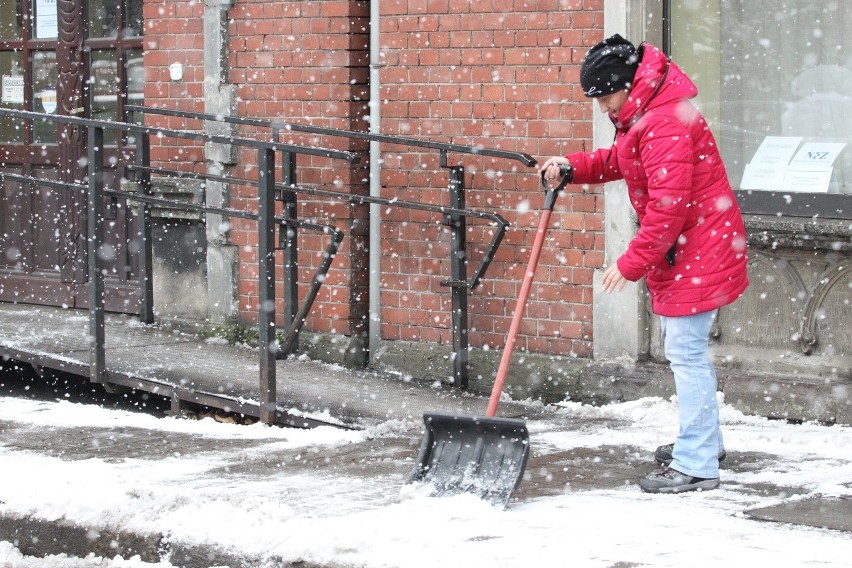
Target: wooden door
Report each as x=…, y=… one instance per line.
x=71, y=58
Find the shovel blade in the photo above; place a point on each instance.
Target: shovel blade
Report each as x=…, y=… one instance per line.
x=485, y=456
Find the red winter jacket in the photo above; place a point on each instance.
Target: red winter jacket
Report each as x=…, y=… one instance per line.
x=678, y=186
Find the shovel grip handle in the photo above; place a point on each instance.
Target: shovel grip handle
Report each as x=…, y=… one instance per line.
x=567, y=171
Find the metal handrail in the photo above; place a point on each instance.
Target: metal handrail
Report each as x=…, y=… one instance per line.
x=316, y=280
x=444, y=147
x=45, y=182
x=454, y=216
x=187, y=134
x=267, y=223
x=458, y=282
x=474, y=281
x=319, y=274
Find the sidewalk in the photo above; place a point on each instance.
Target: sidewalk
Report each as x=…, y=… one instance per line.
x=88, y=479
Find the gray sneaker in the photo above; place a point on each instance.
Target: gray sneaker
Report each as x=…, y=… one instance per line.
x=668, y=480
x=663, y=454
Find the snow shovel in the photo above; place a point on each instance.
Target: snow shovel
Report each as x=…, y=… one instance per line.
x=485, y=455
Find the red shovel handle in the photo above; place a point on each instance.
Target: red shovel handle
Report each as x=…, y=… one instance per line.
x=526, y=286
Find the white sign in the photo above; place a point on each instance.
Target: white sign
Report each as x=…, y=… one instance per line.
x=768, y=166
x=818, y=153
x=803, y=179
x=13, y=90
x=759, y=176
x=46, y=19
x=811, y=168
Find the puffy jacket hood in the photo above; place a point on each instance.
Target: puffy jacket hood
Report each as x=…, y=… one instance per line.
x=658, y=82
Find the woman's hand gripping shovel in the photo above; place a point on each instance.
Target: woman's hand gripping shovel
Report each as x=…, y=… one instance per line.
x=485, y=455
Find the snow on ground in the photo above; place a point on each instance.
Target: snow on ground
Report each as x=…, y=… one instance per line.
x=378, y=522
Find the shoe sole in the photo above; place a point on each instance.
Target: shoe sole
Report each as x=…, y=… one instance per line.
x=705, y=485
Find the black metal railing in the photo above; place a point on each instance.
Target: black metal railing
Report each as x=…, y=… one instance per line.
x=269, y=226
x=454, y=215
x=265, y=218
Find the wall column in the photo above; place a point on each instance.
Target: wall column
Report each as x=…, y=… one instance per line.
x=620, y=323
x=219, y=99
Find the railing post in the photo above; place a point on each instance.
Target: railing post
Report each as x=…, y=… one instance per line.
x=290, y=246
x=146, y=240
x=458, y=283
x=97, y=357
x=266, y=285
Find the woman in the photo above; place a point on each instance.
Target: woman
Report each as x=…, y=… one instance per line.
x=691, y=242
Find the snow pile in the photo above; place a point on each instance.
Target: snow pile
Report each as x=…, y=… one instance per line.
x=294, y=512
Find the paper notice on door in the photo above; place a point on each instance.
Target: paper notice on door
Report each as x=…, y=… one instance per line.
x=13, y=90
x=46, y=19
x=811, y=168
x=768, y=166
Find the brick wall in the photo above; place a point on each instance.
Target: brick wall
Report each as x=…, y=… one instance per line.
x=173, y=34
x=502, y=75
x=307, y=63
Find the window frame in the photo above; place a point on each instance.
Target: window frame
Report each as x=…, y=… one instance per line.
x=775, y=202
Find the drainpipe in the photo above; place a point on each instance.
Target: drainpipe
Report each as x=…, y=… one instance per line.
x=374, y=324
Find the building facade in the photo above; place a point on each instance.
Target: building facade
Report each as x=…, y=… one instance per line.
x=773, y=84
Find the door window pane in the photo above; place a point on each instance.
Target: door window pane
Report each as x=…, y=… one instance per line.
x=135, y=74
x=135, y=77
x=103, y=89
x=134, y=18
x=44, y=94
x=11, y=20
x=770, y=70
x=104, y=18
x=12, y=76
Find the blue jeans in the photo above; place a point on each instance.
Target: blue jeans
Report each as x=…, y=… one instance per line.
x=699, y=439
